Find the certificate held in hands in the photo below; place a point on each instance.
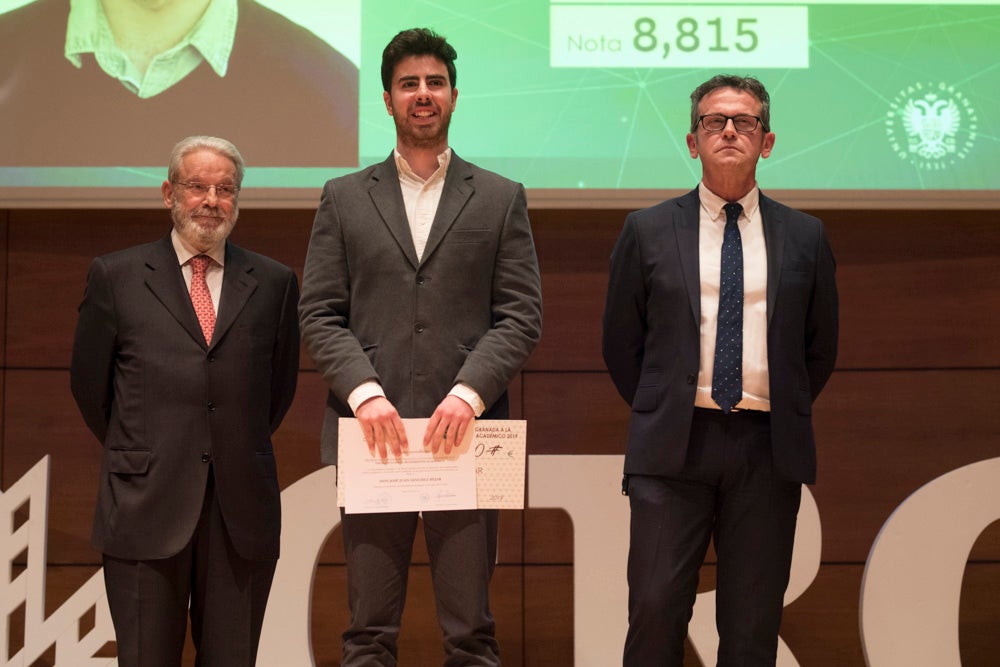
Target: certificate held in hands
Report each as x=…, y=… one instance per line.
x=485, y=471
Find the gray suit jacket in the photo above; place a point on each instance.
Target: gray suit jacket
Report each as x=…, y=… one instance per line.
x=165, y=405
x=469, y=311
x=652, y=342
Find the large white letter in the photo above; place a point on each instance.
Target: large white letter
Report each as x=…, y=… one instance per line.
x=62, y=628
x=589, y=489
x=309, y=513
x=913, y=578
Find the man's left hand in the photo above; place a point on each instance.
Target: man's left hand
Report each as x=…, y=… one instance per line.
x=448, y=424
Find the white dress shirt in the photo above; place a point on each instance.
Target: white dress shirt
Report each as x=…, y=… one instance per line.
x=712, y=224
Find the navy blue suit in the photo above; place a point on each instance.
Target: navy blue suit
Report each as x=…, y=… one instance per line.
x=651, y=346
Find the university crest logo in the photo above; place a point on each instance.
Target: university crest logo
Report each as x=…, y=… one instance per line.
x=931, y=126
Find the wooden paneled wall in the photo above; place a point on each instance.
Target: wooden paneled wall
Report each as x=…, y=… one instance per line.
x=912, y=398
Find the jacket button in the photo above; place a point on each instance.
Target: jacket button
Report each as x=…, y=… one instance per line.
x=692, y=378
x=211, y=406
x=419, y=328
x=205, y=458
x=420, y=280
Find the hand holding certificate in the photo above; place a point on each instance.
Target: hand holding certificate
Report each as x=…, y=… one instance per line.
x=485, y=471
x=418, y=480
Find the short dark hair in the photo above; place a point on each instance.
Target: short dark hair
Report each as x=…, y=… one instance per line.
x=746, y=83
x=417, y=42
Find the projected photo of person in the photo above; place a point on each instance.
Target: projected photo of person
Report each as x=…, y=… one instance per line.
x=115, y=82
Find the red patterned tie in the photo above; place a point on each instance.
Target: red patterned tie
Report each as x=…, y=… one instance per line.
x=200, y=296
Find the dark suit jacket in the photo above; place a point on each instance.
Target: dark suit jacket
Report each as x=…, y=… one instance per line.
x=164, y=404
x=651, y=331
x=291, y=99
x=469, y=311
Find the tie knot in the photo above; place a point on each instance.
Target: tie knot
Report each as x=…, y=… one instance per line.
x=199, y=264
x=733, y=210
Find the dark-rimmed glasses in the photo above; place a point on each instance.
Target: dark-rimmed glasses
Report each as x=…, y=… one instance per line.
x=716, y=122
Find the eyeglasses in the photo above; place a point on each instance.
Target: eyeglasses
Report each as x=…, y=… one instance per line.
x=716, y=122
x=202, y=189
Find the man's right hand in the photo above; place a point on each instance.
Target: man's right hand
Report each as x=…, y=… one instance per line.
x=382, y=428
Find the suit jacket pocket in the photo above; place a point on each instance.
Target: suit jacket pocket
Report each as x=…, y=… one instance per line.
x=468, y=236
x=803, y=402
x=128, y=461
x=266, y=466
x=797, y=266
x=647, y=394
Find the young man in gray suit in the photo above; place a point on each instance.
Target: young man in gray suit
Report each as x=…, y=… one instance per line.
x=185, y=361
x=720, y=330
x=420, y=298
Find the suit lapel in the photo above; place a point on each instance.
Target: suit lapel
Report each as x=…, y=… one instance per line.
x=774, y=241
x=456, y=192
x=164, y=279
x=388, y=199
x=686, y=228
x=238, y=284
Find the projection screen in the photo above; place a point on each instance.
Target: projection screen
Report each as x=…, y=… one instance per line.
x=586, y=102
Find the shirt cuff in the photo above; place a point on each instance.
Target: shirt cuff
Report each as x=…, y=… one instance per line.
x=469, y=395
x=364, y=391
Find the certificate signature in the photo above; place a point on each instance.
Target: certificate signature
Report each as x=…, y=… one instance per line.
x=485, y=471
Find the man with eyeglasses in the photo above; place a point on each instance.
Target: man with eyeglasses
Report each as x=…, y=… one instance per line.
x=184, y=363
x=720, y=330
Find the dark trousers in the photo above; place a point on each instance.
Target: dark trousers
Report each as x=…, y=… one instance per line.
x=727, y=491
x=227, y=594
x=462, y=546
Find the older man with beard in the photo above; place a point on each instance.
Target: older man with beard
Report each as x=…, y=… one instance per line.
x=184, y=363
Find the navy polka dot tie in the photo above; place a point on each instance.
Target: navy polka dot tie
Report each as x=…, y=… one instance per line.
x=727, y=373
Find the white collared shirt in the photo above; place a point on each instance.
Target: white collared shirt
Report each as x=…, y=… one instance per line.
x=711, y=228
x=421, y=197
x=211, y=39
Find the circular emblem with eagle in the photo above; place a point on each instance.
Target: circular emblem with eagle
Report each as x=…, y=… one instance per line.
x=931, y=125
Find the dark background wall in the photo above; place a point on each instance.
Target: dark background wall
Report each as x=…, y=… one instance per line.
x=914, y=396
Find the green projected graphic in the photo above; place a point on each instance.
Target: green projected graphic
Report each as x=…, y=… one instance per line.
x=573, y=95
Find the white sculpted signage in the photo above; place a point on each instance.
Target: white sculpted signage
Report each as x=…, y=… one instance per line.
x=909, y=598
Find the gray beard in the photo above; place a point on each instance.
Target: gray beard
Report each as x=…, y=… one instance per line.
x=197, y=235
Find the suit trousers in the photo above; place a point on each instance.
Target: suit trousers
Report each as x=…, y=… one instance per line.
x=227, y=595
x=462, y=547
x=727, y=492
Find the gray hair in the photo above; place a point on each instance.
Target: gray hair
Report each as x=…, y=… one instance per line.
x=189, y=145
x=744, y=83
